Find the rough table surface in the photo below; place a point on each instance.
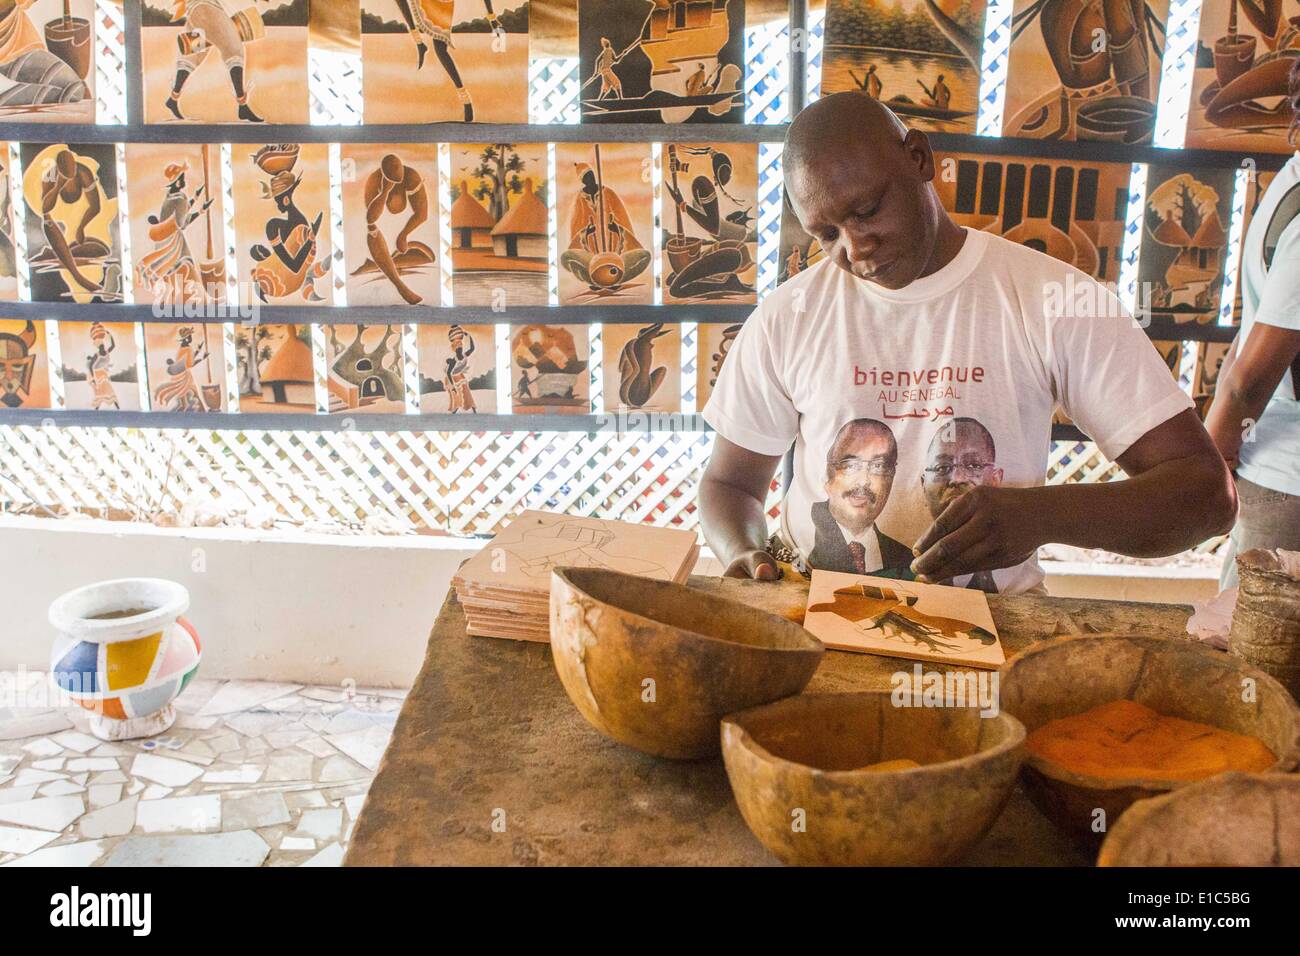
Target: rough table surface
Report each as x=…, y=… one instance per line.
x=490, y=764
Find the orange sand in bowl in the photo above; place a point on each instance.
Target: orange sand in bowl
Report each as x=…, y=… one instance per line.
x=1124, y=739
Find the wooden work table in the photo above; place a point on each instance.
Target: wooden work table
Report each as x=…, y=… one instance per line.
x=490, y=764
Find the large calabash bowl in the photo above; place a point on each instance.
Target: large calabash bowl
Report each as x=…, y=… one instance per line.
x=656, y=665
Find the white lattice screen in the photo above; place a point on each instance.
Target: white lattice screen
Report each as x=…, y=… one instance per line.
x=456, y=482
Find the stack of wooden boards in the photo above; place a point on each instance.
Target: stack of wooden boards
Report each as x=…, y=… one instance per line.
x=505, y=588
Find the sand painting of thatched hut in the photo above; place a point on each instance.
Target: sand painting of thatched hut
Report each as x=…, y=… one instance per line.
x=500, y=233
x=274, y=367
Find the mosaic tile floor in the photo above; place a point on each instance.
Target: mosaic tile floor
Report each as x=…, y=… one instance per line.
x=251, y=774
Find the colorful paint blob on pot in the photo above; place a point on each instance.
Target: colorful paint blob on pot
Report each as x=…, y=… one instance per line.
x=126, y=679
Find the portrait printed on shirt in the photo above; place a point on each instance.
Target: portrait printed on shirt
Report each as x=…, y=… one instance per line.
x=860, y=467
x=962, y=455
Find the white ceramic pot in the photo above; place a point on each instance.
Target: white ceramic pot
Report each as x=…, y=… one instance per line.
x=123, y=652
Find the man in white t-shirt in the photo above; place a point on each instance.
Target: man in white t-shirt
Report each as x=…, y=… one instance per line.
x=911, y=329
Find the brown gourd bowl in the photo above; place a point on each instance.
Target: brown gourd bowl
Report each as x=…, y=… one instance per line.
x=656, y=665
x=1064, y=676
x=793, y=767
x=1234, y=819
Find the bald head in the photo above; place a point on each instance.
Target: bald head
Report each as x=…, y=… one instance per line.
x=836, y=119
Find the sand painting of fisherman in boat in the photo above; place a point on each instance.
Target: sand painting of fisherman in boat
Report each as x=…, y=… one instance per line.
x=1239, y=86
x=282, y=241
x=920, y=57
x=100, y=365
x=186, y=366
x=605, y=204
x=274, y=368
x=798, y=250
x=438, y=61
x=500, y=224
x=1073, y=211
x=8, y=236
x=549, y=371
x=177, y=224
x=643, y=366
x=710, y=218
x=1185, y=242
x=47, y=61
x=458, y=369
x=366, y=372
x=74, y=251
x=662, y=61
x=1085, y=70
x=390, y=223
x=224, y=61
x=713, y=340
x=24, y=364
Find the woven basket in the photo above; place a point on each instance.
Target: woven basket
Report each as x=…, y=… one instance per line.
x=1266, y=624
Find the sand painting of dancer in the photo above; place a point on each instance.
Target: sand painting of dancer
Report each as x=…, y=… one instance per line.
x=1185, y=242
x=1084, y=70
x=458, y=369
x=662, y=61
x=713, y=340
x=366, y=373
x=74, y=251
x=438, y=61
x=225, y=61
x=24, y=364
x=1205, y=377
x=549, y=369
x=925, y=622
x=798, y=250
x=1244, y=56
x=710, y=220
x=274, y=368
x=282, y=241
x=642, y=366
x=186, y=366
x=922, y=58
x=605, y=206
x=500, y=224
x=390, y=220
x=8, y=236
x=100, y=365
x=177, y=223
x=1073, y=211
x=47, y=61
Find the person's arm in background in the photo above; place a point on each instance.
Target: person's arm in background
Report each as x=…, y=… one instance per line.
x=1247, y=383
x=733, y=496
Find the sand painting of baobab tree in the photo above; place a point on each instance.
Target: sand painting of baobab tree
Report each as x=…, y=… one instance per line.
x=500, y=224
x=438, y=61
x=1085, y=71
x=366, y=373
x=1239, y=87
x=922, y=58
x=1185, y=242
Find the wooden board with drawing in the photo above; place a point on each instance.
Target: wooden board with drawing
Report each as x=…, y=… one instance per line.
x=925, y=622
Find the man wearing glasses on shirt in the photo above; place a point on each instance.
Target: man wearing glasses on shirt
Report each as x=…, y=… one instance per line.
x=961, y=456
x=860, y=468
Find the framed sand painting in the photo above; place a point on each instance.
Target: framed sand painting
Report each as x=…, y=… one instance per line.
x=713, y=340
x=186, y=366
x=500, y=224
x=710, y=222
x=390, y=223
x=275, y=368
x=8, y=236
x=921, y=58
x=101, y=366
x=366, y=371
x=549, y=369
x=642, y=366
x=225, y=61
x=24, y=364
x=47, y=61
x=798, y=250
x=438, y=61
x=458, y=369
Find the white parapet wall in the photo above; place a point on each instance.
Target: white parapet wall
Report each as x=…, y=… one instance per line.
x=310, y=608
x=328, y=609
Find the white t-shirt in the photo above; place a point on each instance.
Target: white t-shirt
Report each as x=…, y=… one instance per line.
x=1271, y=456
x=1001, y=335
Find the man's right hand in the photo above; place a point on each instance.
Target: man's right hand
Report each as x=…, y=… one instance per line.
x=758, y=565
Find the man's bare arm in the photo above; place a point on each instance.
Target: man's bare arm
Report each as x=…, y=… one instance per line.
x=1178, y=493
x=1247, y=381
x=732, y=496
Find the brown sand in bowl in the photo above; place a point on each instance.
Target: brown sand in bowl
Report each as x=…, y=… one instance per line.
x=1124, y=739
x=886, y=765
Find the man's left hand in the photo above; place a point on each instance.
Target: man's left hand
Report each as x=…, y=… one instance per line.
x=985, y=529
